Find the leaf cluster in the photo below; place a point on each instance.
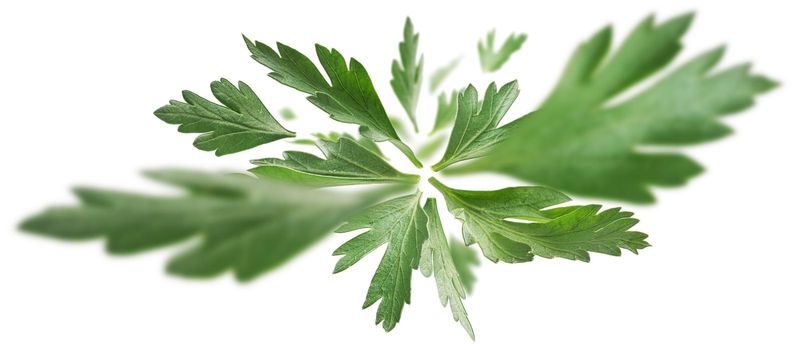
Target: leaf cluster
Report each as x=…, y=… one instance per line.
x=580, y=140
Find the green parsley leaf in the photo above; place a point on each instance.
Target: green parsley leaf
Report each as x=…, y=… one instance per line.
x=446, y=111
x=347, y=163
x=586, y=138
x=399, y=223
x=491, y=60
x=579, y=142
x=475, y=130
x=407, y=75
x=569, y=233
x=246, y=225
x=351, y=97
x=437, y=260
x=241, y=123
x=441, y=73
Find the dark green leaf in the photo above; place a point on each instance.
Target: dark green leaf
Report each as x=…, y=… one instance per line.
x=350, y=98
x=241, y=123
x=399, y=223
x=346, y=163
x=570, y=233
x=475, y=130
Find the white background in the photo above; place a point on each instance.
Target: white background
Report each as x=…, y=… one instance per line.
x=80, y=81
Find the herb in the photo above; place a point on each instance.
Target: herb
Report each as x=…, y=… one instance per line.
x=246, y=225
x=399, y=223
x=475, y=130
x=407, y=75
x=347, y=163
x=350, y=98
x=579, y=140
x=438, y=260
x=564, y=232
x=492, y=60
x=242, y=123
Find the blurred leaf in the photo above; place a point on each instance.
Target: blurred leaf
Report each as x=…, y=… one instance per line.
x=246, y=225
x=287, y=113
x=441, y=73
x=464, y=259
x=431, y=146
x=446, y=111
x=579, y=141
x=400, y=125
x=407, y=75
x=492, y=60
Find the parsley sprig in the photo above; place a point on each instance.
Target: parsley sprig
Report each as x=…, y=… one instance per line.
x=577, y=141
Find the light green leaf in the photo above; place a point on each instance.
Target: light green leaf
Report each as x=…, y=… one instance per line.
x=492, y=60
x=569, y=233
x=407, y=75
x=350, y=98
x=287, y=113
x=400, y=125
x=347, y=163
x=241, y=123
x=475, y=130
x=246, y=225
x=579, y=141
x=431, y=146
x=446, y=111
x=399, y=223
x=464, y=259
x=441, y=73
x=437, y=260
